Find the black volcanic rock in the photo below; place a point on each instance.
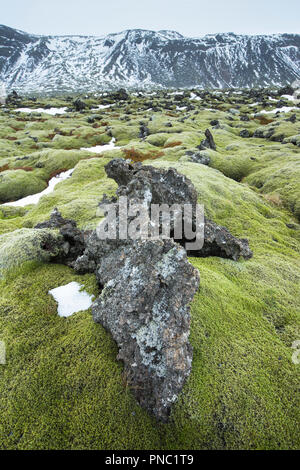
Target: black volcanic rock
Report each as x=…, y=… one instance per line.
x=71, y=242
x=147, y=289
x=79, y=105
x=208, y=142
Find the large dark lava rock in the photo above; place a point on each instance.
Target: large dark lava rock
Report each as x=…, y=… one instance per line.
x=148, y=287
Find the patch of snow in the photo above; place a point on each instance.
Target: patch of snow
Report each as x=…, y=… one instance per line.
x=104, y=106
x=195, y=97
x=34, y=198
x=71, y=299
x=284, y=109
x=291, y=98
x=102, y=148
x=51, y=111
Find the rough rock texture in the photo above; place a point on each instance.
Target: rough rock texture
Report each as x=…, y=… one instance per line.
x=198, y=157
x=152, y=185
x=79, y=105
x=145, y=305
x=158, y=186
x=218, y=241
x=144, y=131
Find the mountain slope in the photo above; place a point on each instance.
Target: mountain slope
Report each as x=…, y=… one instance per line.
x=140, y=58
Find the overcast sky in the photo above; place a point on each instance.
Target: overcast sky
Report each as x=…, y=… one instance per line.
x=189, y=17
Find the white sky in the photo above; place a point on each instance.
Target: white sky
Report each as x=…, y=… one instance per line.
x=189, y=17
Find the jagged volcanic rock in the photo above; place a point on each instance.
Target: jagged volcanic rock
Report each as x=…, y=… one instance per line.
x=148, y=287
x=72, y=242
x=158, y=186
x=218, y=241
x=155, y=186
x=198, y=157
x=208, y=142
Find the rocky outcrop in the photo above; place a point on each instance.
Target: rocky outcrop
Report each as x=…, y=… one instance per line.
x=151, y=185
x=208, y=142
x=218, y=241
x=158, y=186
x=148, y=287
x=79, y=105
x=26, y=245
x=198, y=157
x=13, y=99
x=71, y=241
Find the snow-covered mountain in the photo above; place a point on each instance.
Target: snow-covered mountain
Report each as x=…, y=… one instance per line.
x=145, y=59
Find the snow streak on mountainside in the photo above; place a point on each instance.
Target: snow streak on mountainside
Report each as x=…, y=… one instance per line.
x=145, y=59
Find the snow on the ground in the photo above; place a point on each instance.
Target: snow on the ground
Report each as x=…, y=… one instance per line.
x=291, y=98
x=104, y=106
x=180, y=108
x=102, y=148
x=284, y=109
x=51, y=111
x=71, y=299
x=34, y=198
x=195, y=97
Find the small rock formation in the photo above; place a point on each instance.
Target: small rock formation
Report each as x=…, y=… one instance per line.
x=120, y=95
x=13, y=99
x=208, y=142
x=245, y=133
x=198, y=157
x=292, y=119
x=148, y=287
x=79, y=105
x=218, y=241
x=287, y=90
x=156, y=186
x=71, y=243
x=144, y=131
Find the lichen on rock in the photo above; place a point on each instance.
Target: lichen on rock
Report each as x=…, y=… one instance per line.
x=148, y=287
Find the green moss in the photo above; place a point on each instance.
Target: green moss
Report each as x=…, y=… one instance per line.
x=281, y=176
x=19, y=183
x=21, y=246
x=62, y=387
x=77, y=197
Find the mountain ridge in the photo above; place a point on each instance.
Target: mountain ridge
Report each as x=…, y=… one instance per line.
x=141, y=58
